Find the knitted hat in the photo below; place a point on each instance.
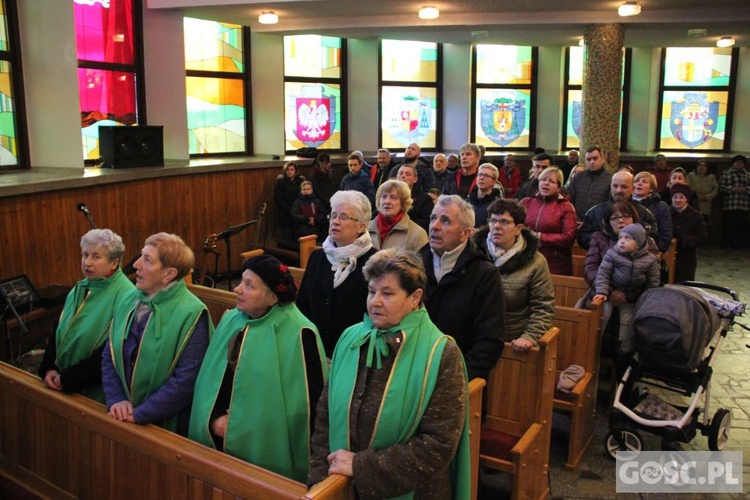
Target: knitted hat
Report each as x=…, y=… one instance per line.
x=681, y=188
x=275, y=275
x=636, y=232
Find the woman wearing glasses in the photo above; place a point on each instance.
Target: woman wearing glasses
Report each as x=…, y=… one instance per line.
x=333, y=293
x=552, y=217
x=485, y=192
x=527, y=285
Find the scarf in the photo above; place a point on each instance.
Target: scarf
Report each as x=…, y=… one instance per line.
x=501, y=256
x=385, y=226
x=269, y=412
x=413, y=379
x=344, y=259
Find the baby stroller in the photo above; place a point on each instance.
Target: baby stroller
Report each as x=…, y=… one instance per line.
x=678, y=331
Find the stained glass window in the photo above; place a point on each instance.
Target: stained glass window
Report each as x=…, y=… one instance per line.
x=409, y=94
x=215, y=85
x=695, y=105
x=314, y=92
x=503, y=85
x=12, y=147
x=573, y=97
x=109, y=82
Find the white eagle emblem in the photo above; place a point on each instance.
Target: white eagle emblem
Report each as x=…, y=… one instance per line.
x=313, y=118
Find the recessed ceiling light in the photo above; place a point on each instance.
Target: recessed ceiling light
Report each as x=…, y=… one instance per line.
x=429, y=12
x=725, y=41
x=268, y=17
x=629, y=9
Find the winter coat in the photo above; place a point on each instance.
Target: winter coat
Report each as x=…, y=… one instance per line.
x=285, y=192
x=588, y=189
x=594, y=221
x=421, y=208
x=305, y=207
x=690, y=231
x=660, y=210
x=601, y=242
x=553, y=218
x=527, y=289
x=528, y=188
x=425, y=174
x=511, y=180
x=631, y=273
x=445, y=182
x=406, y=234
x=468, y=305
x=707, y=186
x=361, y=183
x=324, y=186
x=480, y=205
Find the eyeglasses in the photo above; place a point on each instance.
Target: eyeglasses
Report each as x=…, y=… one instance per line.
x=342, y=217
x=617, y=218
x=483, y=175
x=503, y=222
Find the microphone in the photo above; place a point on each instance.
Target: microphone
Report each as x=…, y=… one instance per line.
x=83, y=208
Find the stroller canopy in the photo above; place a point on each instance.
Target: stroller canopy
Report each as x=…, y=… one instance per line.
x=672, y=326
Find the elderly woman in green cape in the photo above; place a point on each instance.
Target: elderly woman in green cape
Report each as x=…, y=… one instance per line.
x=157, y=341
x=393, y=416
x=72, y=362
x=263, y=374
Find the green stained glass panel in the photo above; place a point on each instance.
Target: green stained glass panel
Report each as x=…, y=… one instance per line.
x=312, y=56
x=503, y=64
x=3, y=28
x=212, y=46
x=312, y=115
x=693, y=120
x=409, y=115
x=408, y=61
x=216, y=115
x=8, y=140
x=503, y=117
x=697, y=66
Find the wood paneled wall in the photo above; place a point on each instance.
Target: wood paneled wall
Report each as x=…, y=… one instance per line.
x=42, y=231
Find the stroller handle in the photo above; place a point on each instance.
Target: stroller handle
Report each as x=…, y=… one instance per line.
x=709, y=286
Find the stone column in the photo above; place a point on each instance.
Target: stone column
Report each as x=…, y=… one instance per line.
x=602, y=89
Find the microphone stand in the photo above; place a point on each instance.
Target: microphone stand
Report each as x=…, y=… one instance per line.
x=83, y=208
x=9, y=303
x=227, y=235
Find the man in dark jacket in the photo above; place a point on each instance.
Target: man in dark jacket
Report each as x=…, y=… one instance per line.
x=445, y=180
x=424, y=170
x=590, y=187
x=464, y=295
x=621, y=190
x=357, y=179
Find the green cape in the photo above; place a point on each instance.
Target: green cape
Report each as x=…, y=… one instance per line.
x=85, y=320
x=410, y=386
x=269, y=412
x=174, y=314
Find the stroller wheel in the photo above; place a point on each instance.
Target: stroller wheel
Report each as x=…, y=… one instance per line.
x=718, y=433
x=623, y=440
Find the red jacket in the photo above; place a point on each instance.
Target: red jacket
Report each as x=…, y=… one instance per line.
x=511, y=184
x=554, y=219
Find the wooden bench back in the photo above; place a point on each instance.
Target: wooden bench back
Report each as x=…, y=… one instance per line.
x=56, y=445
x=568, y=289
x=307, y=244
x=521, y=387
x=217, y=301
x=578, y=343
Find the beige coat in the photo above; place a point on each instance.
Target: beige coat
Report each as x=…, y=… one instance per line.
x=406, y=235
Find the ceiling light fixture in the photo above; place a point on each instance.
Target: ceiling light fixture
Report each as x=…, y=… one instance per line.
x=629, y=9
x=725, y=41
x=429, y=12
x=268, y=17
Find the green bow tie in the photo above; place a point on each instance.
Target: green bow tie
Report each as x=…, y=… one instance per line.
x=378, y=344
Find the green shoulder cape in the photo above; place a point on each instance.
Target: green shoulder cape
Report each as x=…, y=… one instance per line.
x=269, y=412
x=410, y=386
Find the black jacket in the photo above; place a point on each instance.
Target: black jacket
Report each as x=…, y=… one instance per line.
x=285, y=193
x=468, y=305
x=594, y=221
x=332, y=310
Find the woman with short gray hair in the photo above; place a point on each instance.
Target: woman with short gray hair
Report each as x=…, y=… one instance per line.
x=392, y=227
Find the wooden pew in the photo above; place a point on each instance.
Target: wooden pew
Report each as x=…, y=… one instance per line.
x=670, y=257
x=306, y=246
x=218, y=301
x=54, y=445
x=475, y=427
x=515, y=436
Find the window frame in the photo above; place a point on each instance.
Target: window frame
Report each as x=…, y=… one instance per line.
x=247, y=87
x=624, y=120
x=437, y=85
x=532, y=87
x=13, y=57
x=342, y=82
x=731, y=90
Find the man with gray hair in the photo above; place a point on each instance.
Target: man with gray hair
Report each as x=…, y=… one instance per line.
x=445, y=180
x=464, y=295
x=380, y=172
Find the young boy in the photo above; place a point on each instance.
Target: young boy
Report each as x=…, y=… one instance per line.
x=308, y=213
x=626, y=271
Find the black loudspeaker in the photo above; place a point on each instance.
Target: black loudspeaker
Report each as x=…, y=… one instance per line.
x=138, y=146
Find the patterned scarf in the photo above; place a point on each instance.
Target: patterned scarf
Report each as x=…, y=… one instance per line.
x=501, y=256
x=344, y=259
